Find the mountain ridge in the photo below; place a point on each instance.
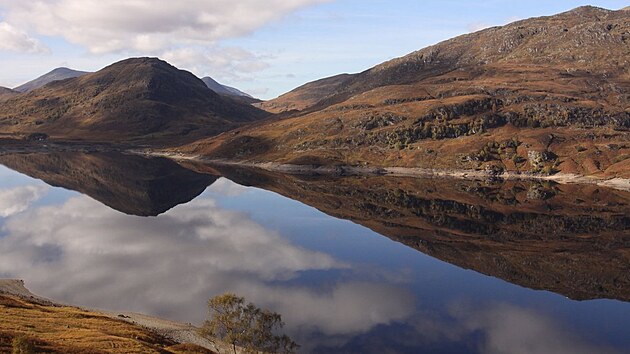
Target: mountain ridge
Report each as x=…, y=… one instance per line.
x=541, y=95
x=223, y=89
x=61, y=73
x=137, y=98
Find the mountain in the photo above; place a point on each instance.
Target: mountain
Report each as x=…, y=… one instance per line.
x=305, y=96
x=55, y=75
x=568, y=239
x=223, y=89
x=540, y=95
x=229, y=92
x=131, y=184
x=144, y=100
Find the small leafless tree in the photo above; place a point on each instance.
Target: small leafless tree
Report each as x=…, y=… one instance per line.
x=246, y=326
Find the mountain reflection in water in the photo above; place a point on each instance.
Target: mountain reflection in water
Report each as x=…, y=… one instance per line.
x=339, y=286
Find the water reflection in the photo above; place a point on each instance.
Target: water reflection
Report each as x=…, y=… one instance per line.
x=339, y=286
x=128, y=183
x=17, y=199
x=569, y=239
x=87, y=254
x=496, y=329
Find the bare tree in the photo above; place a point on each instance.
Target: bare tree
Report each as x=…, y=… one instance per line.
x=245, y=325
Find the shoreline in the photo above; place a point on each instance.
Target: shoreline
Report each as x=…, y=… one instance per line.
x=344, y=170
x=337, y=170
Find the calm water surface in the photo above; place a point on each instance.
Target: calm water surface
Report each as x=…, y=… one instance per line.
x=340, y=286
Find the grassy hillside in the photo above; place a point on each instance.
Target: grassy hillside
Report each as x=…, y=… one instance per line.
x=543, y=95
x=46, y=328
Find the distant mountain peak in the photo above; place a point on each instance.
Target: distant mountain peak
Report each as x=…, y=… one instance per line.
x=61, y=73
x=223, y=89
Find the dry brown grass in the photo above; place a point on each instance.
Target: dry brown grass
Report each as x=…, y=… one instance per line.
x=63, y=329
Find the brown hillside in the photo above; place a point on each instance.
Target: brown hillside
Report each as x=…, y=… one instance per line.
x=304, y=96
x=144, y=99
x=541, y=95
x=6, y=93
x=49, y=328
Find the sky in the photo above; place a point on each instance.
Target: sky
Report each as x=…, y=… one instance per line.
x=265, y=48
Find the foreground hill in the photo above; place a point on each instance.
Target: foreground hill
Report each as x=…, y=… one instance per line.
x=55, y=75
x=139, y=99
x=541, y=95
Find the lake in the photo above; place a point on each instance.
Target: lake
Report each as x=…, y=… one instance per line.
x=362, y=264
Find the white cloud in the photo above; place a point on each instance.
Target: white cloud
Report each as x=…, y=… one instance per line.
x=222, y=63
x=18, y=199
x=511, y=329
x=477, y=26
x=186, y=33
x=141, y=25
x=15, y=40
x=349, y=308
x=81, y=252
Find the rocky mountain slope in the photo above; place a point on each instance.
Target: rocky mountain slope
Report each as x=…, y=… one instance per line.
x=541, y=95
x=55, y=75
x=141, y=99
x=6, y=93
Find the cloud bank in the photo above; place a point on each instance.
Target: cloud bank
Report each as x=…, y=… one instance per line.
x=141, y=25
x=187, y=33
x=14, y=40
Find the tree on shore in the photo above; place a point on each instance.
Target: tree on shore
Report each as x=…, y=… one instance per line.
x=246, y=326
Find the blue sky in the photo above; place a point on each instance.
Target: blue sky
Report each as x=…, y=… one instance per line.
x=265, y=51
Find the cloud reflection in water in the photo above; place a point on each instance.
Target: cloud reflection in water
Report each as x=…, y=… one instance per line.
x=84, y=253
x=17, y=199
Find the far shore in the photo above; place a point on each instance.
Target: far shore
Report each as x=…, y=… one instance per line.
x=335, y=170
x=343, y=170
